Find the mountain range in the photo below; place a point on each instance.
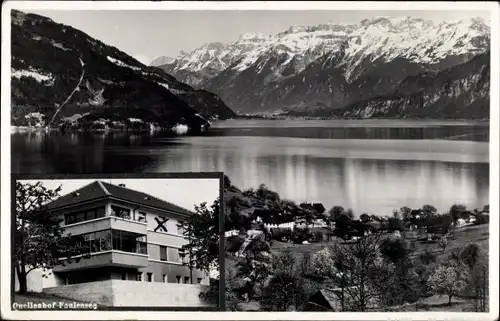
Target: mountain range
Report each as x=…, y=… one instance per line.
x=379, y=67
x=55, y=66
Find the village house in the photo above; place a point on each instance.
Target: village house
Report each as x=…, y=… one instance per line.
x=134, y=240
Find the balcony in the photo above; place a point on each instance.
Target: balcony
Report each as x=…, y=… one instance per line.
x=106, y=223
x=106, y=259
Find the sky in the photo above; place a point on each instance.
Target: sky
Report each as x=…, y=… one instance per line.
x=183, y=192
x=147, y=34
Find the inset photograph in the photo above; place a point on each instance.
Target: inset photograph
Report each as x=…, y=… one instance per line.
x=101, y=243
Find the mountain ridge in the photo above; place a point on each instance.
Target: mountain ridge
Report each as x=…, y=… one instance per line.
x=331, y=64
x=51, y=60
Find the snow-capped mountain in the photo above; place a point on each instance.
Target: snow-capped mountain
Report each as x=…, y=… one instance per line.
x=331, y=65
x=208, y=60
x=163, y=60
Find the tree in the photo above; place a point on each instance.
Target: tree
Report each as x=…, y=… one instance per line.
x=456, y=212
x=362, y=260
x=443, y=242
x=406, y=213
x=287, y=289
x=350, y=213
x=426, y=257
x=429, y=210
x=202, y=232
x=39, y=242
x=394, y=249
x=471, y=255
x=335, y=212
x=342, y=224
x=479, y=284
x=330, y=263
x=255, y=266
x=394, y=224
x=449, y=279
x=227, y=182
x=323, y=263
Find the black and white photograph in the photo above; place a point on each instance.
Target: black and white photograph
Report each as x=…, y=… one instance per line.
x=353, y=144
x=94, y=243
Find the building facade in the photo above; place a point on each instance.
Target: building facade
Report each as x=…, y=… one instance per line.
x=132, y=237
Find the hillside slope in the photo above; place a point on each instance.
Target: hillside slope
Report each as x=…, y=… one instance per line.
x=51, y=60
x=459, y=92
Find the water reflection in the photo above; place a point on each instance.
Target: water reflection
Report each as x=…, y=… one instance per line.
x=368, y=175
x=366, y=185
x=352, y=130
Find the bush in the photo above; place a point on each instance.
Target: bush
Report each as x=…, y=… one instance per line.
x=427, y=257
x=482, y=219
x=318, y=236
x=394, y=249
x=281, y=234
x=300, y=235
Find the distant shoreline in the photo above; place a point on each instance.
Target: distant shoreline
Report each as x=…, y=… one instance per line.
x=286, y=117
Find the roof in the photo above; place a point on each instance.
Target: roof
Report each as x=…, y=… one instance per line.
x=328, y=298
x=325, y=298
x=98, y=190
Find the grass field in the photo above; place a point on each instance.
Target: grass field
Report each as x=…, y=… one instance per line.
x=464, y=236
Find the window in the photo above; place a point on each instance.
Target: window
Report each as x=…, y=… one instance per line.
x=186, y=280
x=124, y=275
x=70, y=219
x=178, y=278
x=150, y=277
x=142, y=244
x=141, y=217
x=80, y=217
x=129, y=242
x=199, y=280
x=120, y=212
x=138, y=276
x=163, y=253
x=91, y=215
x=100, y=212
x=165, y=278
x=103, y=240
x=86, y=215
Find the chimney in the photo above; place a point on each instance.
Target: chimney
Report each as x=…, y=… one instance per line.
x=121, y=185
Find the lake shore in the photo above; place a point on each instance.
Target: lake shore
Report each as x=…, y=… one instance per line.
x=346, y=123
x=178, y=129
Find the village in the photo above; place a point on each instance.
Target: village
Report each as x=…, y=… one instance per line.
x=423, y=226
x=88, y=122
x=307, y=258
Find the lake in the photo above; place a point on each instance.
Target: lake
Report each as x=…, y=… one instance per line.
x=370, y=166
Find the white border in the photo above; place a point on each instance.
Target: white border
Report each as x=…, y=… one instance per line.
x=493, y=7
